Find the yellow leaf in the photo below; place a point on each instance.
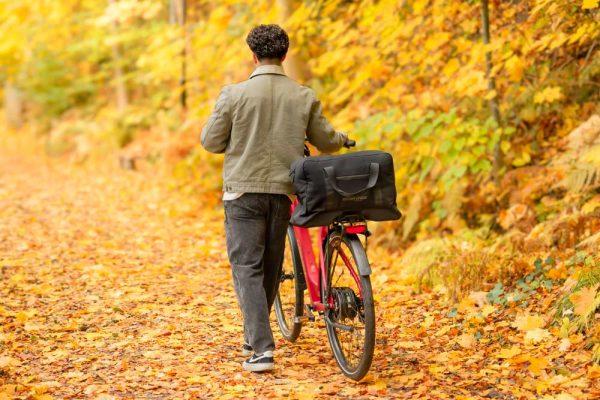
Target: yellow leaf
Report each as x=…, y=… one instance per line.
x=410, y=345
x=487, y=310
x=536, y=365
x=536, y=335
x=564, y=344
x=306, y=359
x=437, y=369
x=197, y=379
x=589, y=4
x=594, y=372
x=6, y=361
x=561, y=396
x=44, y=396
x=591, y=205
x=527, y=322
x=509, y=352
x=584, y=301
x=427, y=322
x=491, y=94
x=451, y=67
x=548, y=95
x=378, y=385
x=522, y=160
x=466, y=341
x=514, y=67
x=419, y=6
x=22, y=316
x=7, y=394
x=443, y=330
x=436, y=40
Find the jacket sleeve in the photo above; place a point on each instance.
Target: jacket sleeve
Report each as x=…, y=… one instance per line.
x=215, y=134
x=319, y=132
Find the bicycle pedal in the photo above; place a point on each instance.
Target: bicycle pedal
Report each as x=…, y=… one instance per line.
x=308, y=313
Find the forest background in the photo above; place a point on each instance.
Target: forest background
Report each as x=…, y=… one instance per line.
x=490, y=109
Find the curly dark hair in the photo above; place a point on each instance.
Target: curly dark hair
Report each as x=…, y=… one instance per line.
x=268, y=41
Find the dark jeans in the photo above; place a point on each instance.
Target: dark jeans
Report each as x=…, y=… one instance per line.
x=255, y=227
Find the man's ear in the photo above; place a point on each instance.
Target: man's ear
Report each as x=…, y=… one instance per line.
x=283, y=58
x=255, y=59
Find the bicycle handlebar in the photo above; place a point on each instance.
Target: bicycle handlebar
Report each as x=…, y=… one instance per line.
x=349, y=143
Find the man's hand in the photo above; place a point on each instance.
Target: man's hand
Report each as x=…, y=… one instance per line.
x=349, y=143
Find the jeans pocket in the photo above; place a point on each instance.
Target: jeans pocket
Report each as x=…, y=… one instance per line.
x=248, y=206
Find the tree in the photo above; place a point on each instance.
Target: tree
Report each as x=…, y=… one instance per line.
x=493, y=102
x=119, y=81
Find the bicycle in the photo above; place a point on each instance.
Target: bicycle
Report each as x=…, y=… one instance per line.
x=345, y=302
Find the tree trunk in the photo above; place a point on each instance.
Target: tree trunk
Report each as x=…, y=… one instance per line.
x=295, y=66
x=178, y=15
x=493, y=102
x=120, y=88
x=13, y=105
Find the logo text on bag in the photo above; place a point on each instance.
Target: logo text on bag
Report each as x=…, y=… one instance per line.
x=355, y=198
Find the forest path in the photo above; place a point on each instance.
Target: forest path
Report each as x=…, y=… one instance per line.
x=114, y=286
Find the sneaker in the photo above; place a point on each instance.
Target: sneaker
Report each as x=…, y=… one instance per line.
x=246, y=350
x=259, y=362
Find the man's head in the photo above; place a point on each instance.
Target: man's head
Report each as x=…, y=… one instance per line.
x=269, y=43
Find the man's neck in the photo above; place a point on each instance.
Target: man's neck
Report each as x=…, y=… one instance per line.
x=269, y=61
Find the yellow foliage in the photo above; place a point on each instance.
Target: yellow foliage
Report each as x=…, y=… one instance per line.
x=515, y=66
x=548, y=95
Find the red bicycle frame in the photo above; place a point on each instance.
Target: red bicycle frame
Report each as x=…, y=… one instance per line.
x=316, y=275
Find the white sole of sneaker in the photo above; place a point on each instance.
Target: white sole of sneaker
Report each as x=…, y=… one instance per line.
x=258, y=367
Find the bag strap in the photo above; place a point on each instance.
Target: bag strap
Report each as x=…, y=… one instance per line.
x=331, y=177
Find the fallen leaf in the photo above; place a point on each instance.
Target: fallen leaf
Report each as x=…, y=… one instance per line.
x=409, y=345
x=509, y=352
x=593, y=372
x=536, y=365
x=536, y=335
x=527, y=322
x=564, y=345
x=466, y=341
x=584, y=300
x=6, y=361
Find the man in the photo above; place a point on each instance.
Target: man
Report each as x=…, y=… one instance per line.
x=260, y=124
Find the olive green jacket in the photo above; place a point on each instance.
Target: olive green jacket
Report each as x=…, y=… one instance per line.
x=260, y=124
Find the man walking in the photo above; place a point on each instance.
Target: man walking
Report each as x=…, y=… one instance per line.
x=260, y=124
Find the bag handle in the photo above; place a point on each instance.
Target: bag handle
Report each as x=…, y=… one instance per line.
x=373, y=175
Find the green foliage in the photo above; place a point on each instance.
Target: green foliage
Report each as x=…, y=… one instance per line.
x=441, y=148
x=525, y=287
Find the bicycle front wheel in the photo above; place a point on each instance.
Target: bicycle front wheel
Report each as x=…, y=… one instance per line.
x=350, y=315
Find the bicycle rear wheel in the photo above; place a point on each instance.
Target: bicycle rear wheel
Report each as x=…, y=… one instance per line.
x=350, y=315
x=289, y=302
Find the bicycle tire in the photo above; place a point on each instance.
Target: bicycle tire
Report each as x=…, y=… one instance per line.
x=359, y=256
x=290, y=330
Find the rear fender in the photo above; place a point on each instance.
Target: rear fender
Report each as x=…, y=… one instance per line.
x=358, y=251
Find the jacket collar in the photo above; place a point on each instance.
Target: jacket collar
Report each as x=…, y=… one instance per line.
x=268, y=69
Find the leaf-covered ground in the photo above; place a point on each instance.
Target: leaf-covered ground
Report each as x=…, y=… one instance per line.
x=112, y=285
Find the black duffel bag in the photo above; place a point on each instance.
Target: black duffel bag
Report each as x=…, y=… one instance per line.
x=354, y=184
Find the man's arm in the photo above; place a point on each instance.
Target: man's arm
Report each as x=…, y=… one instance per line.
x=216, y=132
x=320, y=133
